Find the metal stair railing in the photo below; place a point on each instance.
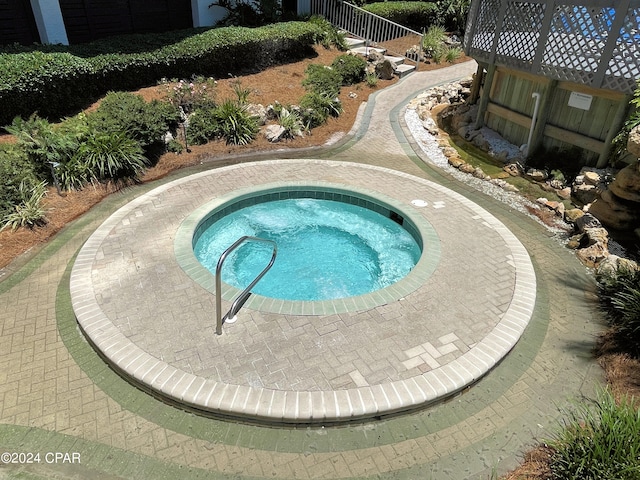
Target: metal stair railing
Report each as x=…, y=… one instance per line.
x=240, y=299
x=374, y=29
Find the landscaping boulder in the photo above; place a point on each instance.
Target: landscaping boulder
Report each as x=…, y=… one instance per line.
x=618, y=206
x=626, y=184
x=572, y=215
x=259, y=112
x=633, y=143
x=611, y=265
x=537, y=175
x=589, y=184
x=274, y=133
x=586, y=221
x=614, y=212
x=385, y=70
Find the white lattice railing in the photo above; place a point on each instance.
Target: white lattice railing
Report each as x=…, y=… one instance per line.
x=373, y=29
x=595, y=43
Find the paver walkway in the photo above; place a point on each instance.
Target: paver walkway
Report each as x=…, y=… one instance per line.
x=58, y=396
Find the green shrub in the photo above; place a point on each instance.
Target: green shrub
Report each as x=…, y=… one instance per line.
x=350, y=67
x=174, y=146
x=29, y=212
x=202, y=126
x=15, y=168
x=599, y=440
x=452, y=54
x=235, y=124
x=43, y=144
x=433, y=42
x=72, y=174
x=321, y=79
x=241, y=93
x=191, y=94
x=619, y=295
x=292, y=121
x=145, y=122
x=111, y=157
x=59, y=80
x=329, y=36
x=371, y=79
x=47, y=83
x=619, y=142
x=317, y=107
x=414, y=15
x=453, y=13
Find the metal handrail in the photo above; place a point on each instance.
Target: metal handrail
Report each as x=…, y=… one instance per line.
x=240, y=299
x=360, y=23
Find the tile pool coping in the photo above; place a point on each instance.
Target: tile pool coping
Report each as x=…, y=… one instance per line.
x=419, y=228
x=274, y=406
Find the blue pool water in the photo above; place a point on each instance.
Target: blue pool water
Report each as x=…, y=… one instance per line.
x=326, y=249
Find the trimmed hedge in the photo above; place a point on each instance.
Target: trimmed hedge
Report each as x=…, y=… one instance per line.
x=57, y=83
x=417, y=16
x=50, y=83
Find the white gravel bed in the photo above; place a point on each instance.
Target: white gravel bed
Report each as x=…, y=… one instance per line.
x=429, y=145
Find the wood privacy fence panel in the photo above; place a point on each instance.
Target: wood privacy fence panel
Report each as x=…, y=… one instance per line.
x=515, y=94
x=17, y=24
x=591, y=42
x=511, y=106
x=582, y=121
x=87, y=20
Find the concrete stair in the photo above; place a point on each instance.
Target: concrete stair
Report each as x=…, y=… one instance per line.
x=358, y=46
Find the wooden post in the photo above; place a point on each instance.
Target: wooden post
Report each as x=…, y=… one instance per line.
x=477, y=82
x=618, y=121
x=484, y=98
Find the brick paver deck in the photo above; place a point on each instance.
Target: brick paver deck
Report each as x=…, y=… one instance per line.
x=58, y=395
x=470, y=299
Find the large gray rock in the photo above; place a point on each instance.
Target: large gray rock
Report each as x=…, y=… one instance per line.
x=615, y=213
x=626, y=184
x=274, y=133
x=385, y=70
x=587, y=221
x=259, y=112
x=610, y=266
x=633, y=144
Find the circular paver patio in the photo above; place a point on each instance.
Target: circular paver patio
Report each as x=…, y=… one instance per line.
x=155, y=323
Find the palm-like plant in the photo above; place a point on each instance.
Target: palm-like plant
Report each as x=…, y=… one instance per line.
x=29, y=212
x=235, y=124
x=292, y=122
x=112, y=157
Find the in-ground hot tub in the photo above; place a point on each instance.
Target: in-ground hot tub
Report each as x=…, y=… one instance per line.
x=332, y=244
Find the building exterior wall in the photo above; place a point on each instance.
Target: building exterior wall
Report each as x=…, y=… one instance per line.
x=88, y=20
x=76, y=21
x=17, y=23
